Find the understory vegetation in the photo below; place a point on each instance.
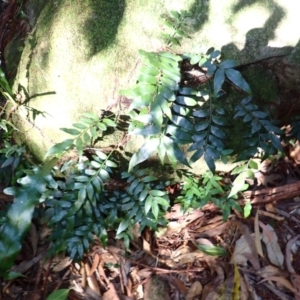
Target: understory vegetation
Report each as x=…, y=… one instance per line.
x=178, y=108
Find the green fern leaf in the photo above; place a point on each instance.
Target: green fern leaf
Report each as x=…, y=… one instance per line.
x=236, y=78
x=143, y=153
x=228, y=64
x=209, y=161
x=186, y=101
x=60, y=147
x=18, y=218
x=219, y=79
x=174, y=153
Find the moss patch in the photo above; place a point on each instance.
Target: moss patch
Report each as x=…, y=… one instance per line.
x=262, y=83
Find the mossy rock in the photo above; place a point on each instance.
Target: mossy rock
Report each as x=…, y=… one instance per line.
x=81, y=53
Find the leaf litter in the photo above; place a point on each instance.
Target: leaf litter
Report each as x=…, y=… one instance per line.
x=198, y=256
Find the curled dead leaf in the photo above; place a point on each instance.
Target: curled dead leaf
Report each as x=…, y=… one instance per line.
x=270, y=239
x=269, y=271
x=240, y=252
x=280, y=281
x=288, y=253
x=62, y=264
x=189, y=257
x=257, y=236
x=111, y=293
x=295, y=278
x=194, y=291
x=91, y=280
x=212, y=290
x=95, y=264
x=176, y=282
x=245, y=295
x=27, y=264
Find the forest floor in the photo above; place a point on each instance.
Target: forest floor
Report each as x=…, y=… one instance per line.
x=198, y=255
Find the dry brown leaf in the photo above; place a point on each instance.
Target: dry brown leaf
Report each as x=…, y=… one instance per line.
x=111, y=293
x=281, y=281
x=266, y=166
x=136, y=231
x=211, y=224
x=146, y=246
x=176, y=282
x=257, y=235
x=175, y=212
x=245, y=295
x=288, y=253
x=136, y=276
x=91, y=280
x=139, y=292
x=103, y=275
x=161, y=231
x=269, y=271
x=240, y=252
x=103, y=281
x=27, y=264
x=270, y=215
x=173, y=227
x=250, y=287
x=36, y=296
x=83, y=275
x=145, y=273
x=129, y=287
x=270, y=207
x=213, y=229
x=248, y=236
x=180, y=251
x=115, y=250
x=125, y=266
x=182, y=220
x=212, y=290
x=109, y=258
x=62, y=264
x=178, y=213
x=266, y=175
x=165, y=252
x=211, y=261
x=189, y=257
x=90, y=294
x=194, y=291
x=119, y=243
x=281, y=295
x=295, y=279
x=270, y=239
x=253, y=260
x=44, y=232
x=95, y=264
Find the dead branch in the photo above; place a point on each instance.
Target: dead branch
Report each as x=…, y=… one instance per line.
x=272, y=194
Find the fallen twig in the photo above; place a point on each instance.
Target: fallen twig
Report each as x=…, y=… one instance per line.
x=268, y=195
